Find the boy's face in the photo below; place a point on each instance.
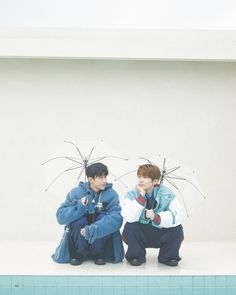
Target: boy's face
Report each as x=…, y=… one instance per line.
x=98, y=183
x=146, y=183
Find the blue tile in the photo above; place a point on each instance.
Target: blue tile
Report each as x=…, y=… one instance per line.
x=78, y=290
x=58, y=291
x=16, y=291
x=153, y=281
x=231, y=281
x=30, y=291
x=76, y=281
x=49, y=290
x=231, y=291
x=5, y=281
x=127, y=291
x=164, y=281
x=172, y=282
x=220, y=291
x=210, y=291
x=5, y=291
x=37, y=281
x=17, y=282
x=199, y=291
x=187, y=291
x=220, y=281
x=175, y=291
x=198, y=281
x=210, y=281
x=118, y=285
x=163, y=291
x=187, y=281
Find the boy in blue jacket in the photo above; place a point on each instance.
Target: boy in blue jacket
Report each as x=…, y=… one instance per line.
x=153, y=219
x=92, y=209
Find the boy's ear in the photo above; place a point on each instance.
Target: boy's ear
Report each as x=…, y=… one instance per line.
x=90, y=179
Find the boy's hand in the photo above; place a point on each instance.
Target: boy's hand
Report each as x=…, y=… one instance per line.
x=140, y=190
x=82, y=232
x=84, y=201
x=150, y=214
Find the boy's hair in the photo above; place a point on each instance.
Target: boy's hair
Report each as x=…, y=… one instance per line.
x=97, y=169
x=148, y=170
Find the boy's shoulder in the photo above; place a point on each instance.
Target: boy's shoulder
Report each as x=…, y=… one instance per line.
x=132, y=194
x=164, y=190
x=76, y=192
x=110, y=193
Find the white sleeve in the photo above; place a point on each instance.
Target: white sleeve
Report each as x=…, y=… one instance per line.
x=173, y=216
x=131, y=210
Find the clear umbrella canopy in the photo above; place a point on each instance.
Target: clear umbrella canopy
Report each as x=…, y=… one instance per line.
x=179, y=178
x=67, y=166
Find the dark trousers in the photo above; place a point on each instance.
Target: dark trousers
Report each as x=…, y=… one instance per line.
x=100, y=248
x=140, y=236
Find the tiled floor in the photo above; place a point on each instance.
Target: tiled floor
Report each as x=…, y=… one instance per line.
x=33, y=258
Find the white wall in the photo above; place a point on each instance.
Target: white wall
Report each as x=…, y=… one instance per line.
x=148, y=14
x=183, y=109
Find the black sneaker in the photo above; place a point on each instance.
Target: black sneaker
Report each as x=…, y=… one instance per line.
x=135, y=262
x=99, y=261
x=170, y=262
x=76, y=261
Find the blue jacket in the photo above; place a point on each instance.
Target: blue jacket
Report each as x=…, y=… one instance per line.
x=72, y=209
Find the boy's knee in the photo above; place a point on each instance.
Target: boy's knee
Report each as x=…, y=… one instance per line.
x=79, y=223
x=130, y=229
x=131, y=225
x=100, y=216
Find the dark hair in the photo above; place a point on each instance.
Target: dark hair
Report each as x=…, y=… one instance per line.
x=97, y=169
x=148, y=170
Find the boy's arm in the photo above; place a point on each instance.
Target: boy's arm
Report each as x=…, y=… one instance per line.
x=110, y=223
x=133, y=207
x=72, y=208
x=172, y=217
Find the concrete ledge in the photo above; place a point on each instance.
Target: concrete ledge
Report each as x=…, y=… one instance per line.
x=199, y=45
x=198, y=259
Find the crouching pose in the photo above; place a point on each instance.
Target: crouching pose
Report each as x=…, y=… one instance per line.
x=93, y=212
x=153, y=218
